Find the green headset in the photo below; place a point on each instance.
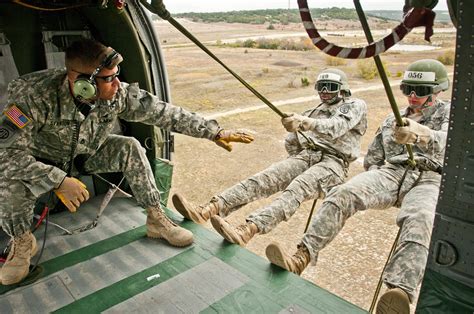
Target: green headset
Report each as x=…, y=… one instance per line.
x=85, y=86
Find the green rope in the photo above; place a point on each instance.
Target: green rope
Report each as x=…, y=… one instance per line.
x=383, y=76
x=310, y=215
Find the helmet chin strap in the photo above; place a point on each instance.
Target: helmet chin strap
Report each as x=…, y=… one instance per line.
x=427, y=101
x=333, y=100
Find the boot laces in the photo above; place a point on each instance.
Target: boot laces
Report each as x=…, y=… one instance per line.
x=207, y=211
x=21, y=246
x=163, y=219
x=301, y=257
x=243, y=228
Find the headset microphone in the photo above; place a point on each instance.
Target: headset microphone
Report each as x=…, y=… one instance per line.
x=85, y=87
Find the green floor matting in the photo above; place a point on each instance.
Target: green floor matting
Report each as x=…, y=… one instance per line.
x=128, y=272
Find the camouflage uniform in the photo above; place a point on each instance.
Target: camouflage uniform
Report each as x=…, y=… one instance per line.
x=56, y=126
x=306, y=173
x=389, y=183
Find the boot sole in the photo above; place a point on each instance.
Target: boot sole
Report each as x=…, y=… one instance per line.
x=276, y=256
x=218, y=224
x=181, y=208
x=393, y=301
x=154, y=235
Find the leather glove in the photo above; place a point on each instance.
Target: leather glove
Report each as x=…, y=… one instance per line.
x=295, y=122
x=72, y=193
x=411, y=133
x=225, y=137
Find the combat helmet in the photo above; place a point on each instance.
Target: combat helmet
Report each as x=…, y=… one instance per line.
x=332, y=75
x=425, y=77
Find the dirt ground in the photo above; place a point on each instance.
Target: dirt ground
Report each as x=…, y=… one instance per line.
x=351, y=265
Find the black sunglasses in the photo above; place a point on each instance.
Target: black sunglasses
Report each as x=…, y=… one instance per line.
x=419, y=90
x=110, y=78
x=328, y=87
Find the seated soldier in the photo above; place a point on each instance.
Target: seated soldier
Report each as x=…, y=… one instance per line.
x=391, y=181
x=57, y=115
x=328, y=138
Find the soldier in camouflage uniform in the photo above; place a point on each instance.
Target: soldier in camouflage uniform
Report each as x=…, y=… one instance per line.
x=317, y=161
x=390, y=181
x=60, y=114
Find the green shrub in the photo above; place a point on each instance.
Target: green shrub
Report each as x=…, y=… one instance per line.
x=368, y=70
x=270, y=27
x=249, y=43
x=335, y=61
x=304, y=81
x=447, y=58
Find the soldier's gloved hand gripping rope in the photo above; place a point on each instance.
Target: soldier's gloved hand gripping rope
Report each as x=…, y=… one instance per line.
x=411, y=133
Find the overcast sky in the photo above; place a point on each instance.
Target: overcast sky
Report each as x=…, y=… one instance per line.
x=181, y=6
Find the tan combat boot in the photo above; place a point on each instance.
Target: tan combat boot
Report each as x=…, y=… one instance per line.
x=240, y=235
x=393, y=301
x=158, y=225
x=198, y=214
x=17, y=265
x=296, y=263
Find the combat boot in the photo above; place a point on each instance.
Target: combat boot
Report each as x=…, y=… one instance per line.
x=17, y=265
x=393, y=301
x=158, y=225
x=296, y=263
x=240, y=235
x=198, y=214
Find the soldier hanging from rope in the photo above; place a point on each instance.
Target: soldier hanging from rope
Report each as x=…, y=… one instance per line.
x=317, y=161
x=391, y=180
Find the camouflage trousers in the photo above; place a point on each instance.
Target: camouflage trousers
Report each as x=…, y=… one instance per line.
x=117, y=154
x=379, y=189
x=301, y=177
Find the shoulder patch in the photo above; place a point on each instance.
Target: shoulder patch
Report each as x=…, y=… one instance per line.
x=344, y=108
x=17, y=117
x=8, y=133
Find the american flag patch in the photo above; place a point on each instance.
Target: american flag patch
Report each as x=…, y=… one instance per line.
x=17, y=117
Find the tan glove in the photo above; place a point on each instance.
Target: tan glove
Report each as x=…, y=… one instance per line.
x=411, y=133
x=72, y=193
x=225, y=137
x=295, y=122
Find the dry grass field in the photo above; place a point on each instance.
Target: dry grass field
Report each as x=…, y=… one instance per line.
x=351, y=265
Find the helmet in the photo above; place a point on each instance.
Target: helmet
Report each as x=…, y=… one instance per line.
x=335, y=76
x=427, y=72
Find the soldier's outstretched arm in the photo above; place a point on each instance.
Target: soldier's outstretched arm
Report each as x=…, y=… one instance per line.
x=137, y=105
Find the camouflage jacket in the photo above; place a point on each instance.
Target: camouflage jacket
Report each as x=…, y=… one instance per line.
x=55, y=123
x=339, y=126
x=384, y=148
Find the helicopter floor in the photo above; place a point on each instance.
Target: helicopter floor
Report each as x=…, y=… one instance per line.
x=115, y=268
